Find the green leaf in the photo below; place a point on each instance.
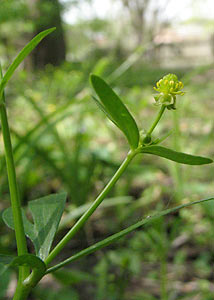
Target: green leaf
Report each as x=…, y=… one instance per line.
x=30, y=260
x=21, y=56
x=113, y=238
x=116, y=110
x=46, y=212
x=102, y=108
x=34, y=262
x=28, y=226
x=178, y=157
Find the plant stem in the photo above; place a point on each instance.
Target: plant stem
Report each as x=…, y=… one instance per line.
x=24, y=288
x=162, y=109
x=13, y=187
x=113, y=238
x=21, y=293
x=79, y=224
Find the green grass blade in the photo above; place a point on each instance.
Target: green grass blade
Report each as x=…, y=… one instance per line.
x=59, y=141
x=178, y=157
x=118, y=112
x=117, y=236
x=42, y=122
x=21, y=56
x=44, y=155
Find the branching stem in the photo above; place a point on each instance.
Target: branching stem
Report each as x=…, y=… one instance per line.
x=79, y=224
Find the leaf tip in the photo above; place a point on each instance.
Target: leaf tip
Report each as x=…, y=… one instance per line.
x=209, y=160
x=51, y=29
x=93, y=79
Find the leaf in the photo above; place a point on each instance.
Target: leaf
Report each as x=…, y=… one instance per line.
x=21, y=56
x=28, y=226
x=178, y=157
x=102, y=108
x=34, y=262
x=30, y=260
x=114, y=107
x=46, y=212
x=113, y=238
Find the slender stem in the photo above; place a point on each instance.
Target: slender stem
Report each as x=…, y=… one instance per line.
x=162, y=109
x=79, y=224
x=13, y=187
x=109, y=240
x=113, y=238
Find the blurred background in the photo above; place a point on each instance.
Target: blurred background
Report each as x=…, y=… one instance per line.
x=62, y=142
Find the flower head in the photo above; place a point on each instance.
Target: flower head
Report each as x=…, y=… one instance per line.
x=168, y=87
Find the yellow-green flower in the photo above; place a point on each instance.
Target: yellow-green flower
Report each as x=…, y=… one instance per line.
x=168, y=87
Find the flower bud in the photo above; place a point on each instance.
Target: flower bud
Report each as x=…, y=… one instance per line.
x=168, y=88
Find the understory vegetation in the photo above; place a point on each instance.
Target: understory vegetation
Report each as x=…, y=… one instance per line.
x=63, y=143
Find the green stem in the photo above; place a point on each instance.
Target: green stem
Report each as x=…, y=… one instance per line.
x=13, y=187
x=113, y=238
x=79, y=224
x=163, y=107
x=24, y=288
x=21, y=292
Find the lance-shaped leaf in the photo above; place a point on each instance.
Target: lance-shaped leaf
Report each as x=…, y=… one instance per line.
x=178, y=157
x=46, y=212
x=102, y=108
x=21, y=56
x=117, y=112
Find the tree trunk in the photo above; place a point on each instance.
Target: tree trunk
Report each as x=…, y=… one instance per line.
x=52, y=49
